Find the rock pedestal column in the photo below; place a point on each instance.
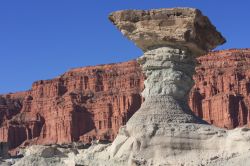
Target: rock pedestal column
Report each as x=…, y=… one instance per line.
x=171, y=40
x=169, y=78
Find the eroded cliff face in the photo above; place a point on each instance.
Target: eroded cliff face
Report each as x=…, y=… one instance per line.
x=93, y=102
x=222, y=86
x=10, y=105
x=81, y=105
x=74, y=106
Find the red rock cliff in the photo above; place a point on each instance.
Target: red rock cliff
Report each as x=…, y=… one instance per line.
x=221, y=94
x=82, y=104
x=93, y=102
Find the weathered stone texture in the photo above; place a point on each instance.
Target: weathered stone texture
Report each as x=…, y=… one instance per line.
x=171, y=27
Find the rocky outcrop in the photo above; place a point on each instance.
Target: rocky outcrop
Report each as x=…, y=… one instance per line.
x=10, y=105
x=221, y=92
x=177, y=27
x=60, y=156
x=168, y=67
x=81, y=105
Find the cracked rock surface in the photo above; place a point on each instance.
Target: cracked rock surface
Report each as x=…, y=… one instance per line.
x=178, y=27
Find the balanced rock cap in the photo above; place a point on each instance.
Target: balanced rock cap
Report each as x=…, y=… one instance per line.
x=174, y=27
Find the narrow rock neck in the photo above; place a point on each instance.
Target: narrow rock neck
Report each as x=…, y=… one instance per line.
x=169, y=73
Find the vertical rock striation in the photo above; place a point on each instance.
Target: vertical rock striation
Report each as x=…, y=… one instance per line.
x=221, y=92
x=81, y=105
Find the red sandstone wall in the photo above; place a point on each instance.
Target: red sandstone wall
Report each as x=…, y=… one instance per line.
x=222, y=86
x=83, y=104
x=93, y=102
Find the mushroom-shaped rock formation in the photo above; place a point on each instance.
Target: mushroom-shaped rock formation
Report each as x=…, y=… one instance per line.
x=164, y=131
x=173, y=38
x=177, y=27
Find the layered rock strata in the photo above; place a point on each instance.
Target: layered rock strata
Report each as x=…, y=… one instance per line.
x=169, y=78
x=81, y=105
x=222, y=85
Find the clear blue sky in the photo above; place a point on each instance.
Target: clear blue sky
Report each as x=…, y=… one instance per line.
x=41, y=39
